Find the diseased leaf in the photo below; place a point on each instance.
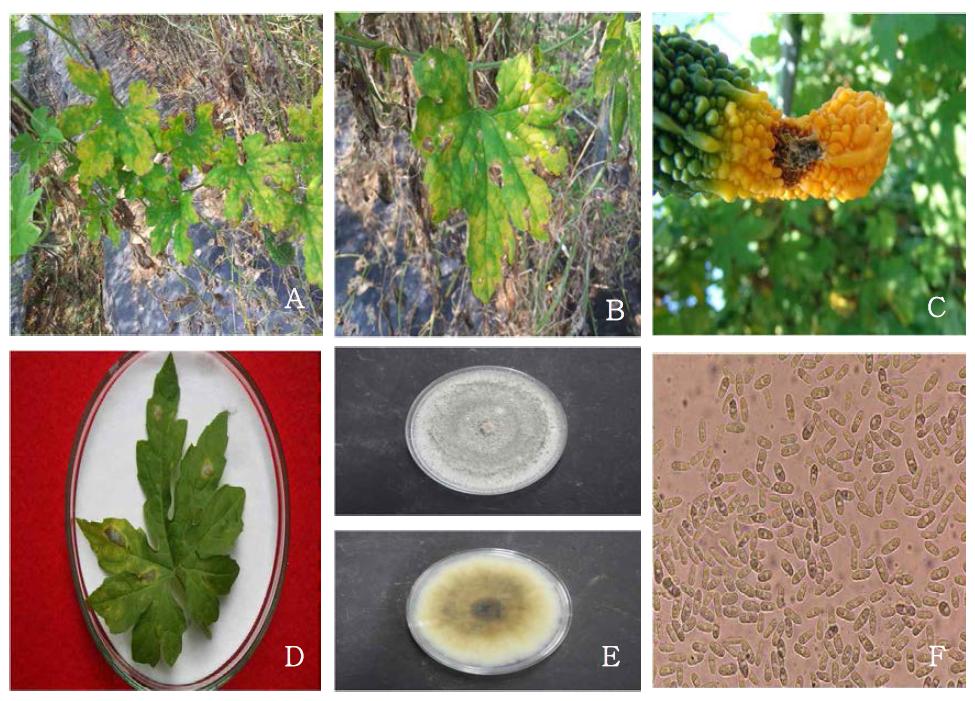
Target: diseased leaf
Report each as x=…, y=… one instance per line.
x=488, y=163
x=23, y=200
x=111, y=131
x=157, y=457
x=171, y=219
x=204, y=580
x=254, y=181
x=191, y=148
x=193, y=522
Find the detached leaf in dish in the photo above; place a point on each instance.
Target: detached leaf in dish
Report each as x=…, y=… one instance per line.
x=488, y=163
x=153, y=588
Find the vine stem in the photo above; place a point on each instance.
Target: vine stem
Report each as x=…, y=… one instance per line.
x=375, y=45
x=66, y=39
x=73, y=43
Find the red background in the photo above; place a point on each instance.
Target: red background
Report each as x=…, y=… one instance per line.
x=48, y=394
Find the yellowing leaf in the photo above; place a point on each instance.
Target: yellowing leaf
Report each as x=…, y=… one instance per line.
x=254, y=181
x=488, y=163
x=111, y=130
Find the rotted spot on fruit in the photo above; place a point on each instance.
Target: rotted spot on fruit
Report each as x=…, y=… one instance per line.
x=550, y=104
x=795, y=153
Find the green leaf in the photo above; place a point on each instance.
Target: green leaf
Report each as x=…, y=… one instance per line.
x=23, y=200
x=306, y=216
x=157, y=457
x=617, y=74
x=17, y=58
x=255, y=181
x=618, y=115
x=281, y=252
x=171, y=219
x=34, y=151
x=487, y=162
x=306, y=125
x=204, y=580
x=153, y=590
x=347, y=18
x=191, y=148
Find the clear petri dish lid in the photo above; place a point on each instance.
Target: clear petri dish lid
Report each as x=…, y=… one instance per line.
x=489, y=611
x=486, y=430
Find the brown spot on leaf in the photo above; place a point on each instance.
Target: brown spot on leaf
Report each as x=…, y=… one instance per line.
x=114, y=536
x=496, y=175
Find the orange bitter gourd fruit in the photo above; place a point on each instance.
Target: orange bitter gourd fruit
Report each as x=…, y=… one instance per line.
x=715, y=133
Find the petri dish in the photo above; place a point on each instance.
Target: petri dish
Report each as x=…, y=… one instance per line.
x=489, y=611
x=486, y=430
x=102, y=482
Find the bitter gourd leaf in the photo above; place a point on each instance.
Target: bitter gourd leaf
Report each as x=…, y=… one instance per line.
x=191, y=148
x=255, y=181
x=126, y=132
x=617, y=73
x=307, y=217
x=34, y=151
x=100, y=220
x=17, y=58
x=305, y=124
x=193, y=521
x=488, y=162
x=23, y=200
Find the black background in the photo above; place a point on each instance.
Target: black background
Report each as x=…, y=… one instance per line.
x=374, y=571
x=599, y=472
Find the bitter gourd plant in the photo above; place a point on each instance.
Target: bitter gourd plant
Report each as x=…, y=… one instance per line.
x=715, y=133
x=617, y=75
x=488, y=163
x=123, y=150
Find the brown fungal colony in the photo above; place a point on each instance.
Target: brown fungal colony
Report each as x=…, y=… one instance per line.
x=809, y=520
